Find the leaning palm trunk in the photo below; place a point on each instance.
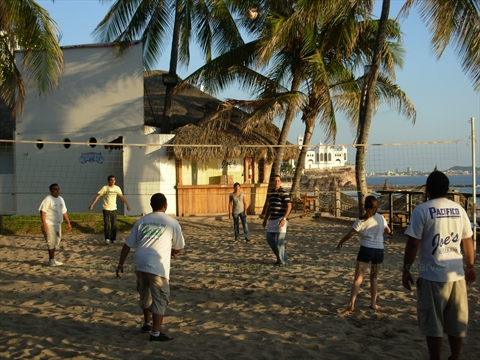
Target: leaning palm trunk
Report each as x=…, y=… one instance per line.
x=310, y=125
x=282, y=141
x=366, y=108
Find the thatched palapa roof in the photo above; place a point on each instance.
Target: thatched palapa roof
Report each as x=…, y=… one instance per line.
x=191, y=122
x=228, y=143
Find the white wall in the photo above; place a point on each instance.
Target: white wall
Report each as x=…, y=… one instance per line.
x=98, y=93
x=147, y=170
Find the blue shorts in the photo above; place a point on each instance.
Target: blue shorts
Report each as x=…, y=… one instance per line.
x=367, y=255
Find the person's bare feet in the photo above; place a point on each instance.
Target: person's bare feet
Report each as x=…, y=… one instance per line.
x=374, y=307
x=349, y=310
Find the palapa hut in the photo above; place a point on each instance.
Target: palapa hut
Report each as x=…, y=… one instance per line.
x=211, y=150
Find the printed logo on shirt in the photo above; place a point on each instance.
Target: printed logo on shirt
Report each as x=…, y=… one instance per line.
x=443, y=212
x=153, y=229
x=442, y=244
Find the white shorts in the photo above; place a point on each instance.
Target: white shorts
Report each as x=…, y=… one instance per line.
x=442, y=308
x=53, y=236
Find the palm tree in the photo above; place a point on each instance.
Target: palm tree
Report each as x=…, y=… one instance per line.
x=287, y=169
x=332, y=86
x=208, y=21
x=450, y=22
x=26, y=26
x=316, y=57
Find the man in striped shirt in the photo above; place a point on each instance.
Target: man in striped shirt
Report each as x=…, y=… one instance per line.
x=278, y=208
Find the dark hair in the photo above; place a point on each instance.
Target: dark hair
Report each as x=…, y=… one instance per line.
x=236, y=184
x=51, y=186
x=110, y=176
x=158, y=201
x=437, y=184
x=371, y=206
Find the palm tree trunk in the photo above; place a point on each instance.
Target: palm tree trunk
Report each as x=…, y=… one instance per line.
x=170, y=87
x=366, y=108
x=309, y=126
x=282, y=140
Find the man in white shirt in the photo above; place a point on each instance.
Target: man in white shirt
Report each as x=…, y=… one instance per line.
x=52, y=212
x=156, y=238
x=438, y=227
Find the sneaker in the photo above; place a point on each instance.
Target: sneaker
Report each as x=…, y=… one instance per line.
x=248, y=240
x=146, y=328
x=54, y=262
x=107, y=242
x=161, y=337
x=279, y=264
x=114, y=241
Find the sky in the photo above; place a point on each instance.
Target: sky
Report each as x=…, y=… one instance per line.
x=442, y=94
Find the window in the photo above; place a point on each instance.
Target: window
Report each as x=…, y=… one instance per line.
x=116, y=144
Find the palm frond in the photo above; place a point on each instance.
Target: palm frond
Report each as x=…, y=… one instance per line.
x=454, y=23
x=27, y=26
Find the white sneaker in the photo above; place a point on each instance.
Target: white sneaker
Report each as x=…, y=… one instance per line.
x=114, y=241
x=54, y=262
x=107, y=242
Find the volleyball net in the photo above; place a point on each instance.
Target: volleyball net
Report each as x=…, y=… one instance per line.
x=81, y=169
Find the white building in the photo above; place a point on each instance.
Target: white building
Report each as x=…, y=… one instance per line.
x=99, y=101
x=324, y=156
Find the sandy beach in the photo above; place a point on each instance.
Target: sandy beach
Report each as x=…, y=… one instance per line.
x=227, y=300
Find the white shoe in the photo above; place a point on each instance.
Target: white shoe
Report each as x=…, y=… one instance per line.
x=107, y=242
x=54, y=262
x=114, y=241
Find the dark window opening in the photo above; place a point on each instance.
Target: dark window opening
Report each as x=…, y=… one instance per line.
x=117, y=144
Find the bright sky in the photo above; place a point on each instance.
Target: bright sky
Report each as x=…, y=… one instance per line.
x=443, y=96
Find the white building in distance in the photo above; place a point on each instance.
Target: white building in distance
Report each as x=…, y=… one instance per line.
x=324, y=156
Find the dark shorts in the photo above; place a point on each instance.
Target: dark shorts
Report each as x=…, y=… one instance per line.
x=367, y=255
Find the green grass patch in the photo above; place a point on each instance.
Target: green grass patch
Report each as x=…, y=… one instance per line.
x=82, y=223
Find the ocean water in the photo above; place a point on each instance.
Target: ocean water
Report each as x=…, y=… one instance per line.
x=462, y=182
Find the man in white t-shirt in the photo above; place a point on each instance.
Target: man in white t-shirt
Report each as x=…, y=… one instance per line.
x=156, y=238
x=438, y=227
x=109, y=193
x=52, y=212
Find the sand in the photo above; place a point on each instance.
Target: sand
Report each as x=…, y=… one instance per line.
x=227, y=300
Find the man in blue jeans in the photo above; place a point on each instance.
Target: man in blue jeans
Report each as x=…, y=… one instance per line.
x=279, y=206
x=237, y=207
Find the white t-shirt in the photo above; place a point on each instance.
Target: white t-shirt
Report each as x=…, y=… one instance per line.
x=54, y=207
x=440, y=225
x=371, y=231
x=153, y=237
x=109, y=195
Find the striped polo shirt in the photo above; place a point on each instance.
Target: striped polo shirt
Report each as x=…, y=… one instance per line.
x=278, y=200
